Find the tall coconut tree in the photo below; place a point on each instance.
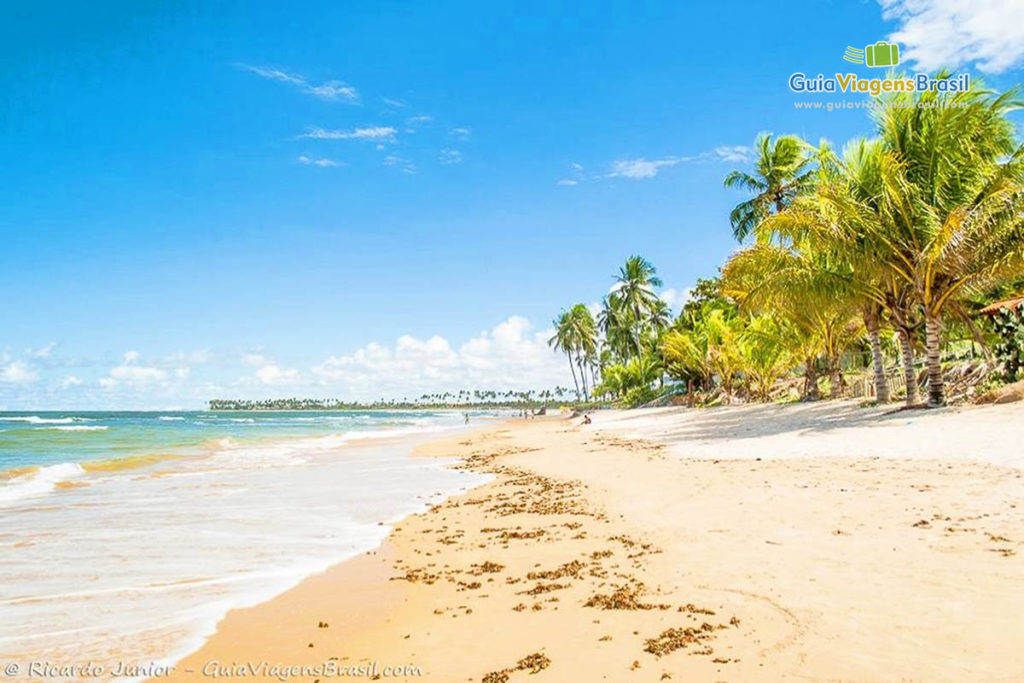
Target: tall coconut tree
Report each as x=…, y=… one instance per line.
x=565, y=340
x=781, y=170
x=842, y=215
x=585, y=337
x=634, y=288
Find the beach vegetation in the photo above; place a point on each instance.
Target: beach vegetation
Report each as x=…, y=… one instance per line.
x=872, y=260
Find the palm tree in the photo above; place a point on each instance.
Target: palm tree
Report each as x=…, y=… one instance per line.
x=564, y=340
x=808, y=288
x=845, y=207
x=576, y=335
x=780, y=173
x=634, y=289
x=585, y=337
x=956, y=175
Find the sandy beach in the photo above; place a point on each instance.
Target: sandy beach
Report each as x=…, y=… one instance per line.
x=816, y=542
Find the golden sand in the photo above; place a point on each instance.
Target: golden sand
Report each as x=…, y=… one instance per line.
x=595, y=557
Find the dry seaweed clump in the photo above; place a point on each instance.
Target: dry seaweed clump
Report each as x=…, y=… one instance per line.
x=677, y=638
x=544, y=588
x=624, y=597
x=534, y=663
x=570, y=569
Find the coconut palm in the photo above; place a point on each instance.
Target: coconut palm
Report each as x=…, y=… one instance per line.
x=634, y=288
x=809, y=289
x=846, y=208
x=564, y=340
x=956, y=175
x=765, y=351
x=781, y=171
x=576, y=335
x=708, y=350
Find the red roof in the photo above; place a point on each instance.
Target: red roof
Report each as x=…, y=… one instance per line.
x=1011, y=303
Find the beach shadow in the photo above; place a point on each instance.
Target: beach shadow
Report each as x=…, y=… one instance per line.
x=750, y=421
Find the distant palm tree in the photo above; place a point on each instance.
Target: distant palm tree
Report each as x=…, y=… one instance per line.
x=780, y=173
x=576, y=335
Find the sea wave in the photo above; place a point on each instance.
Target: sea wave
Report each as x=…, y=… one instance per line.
x=39, y=480
x=171, y=418
x=79, y=428
x=36, y=420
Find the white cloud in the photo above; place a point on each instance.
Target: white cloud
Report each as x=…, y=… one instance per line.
x=675, y=298
x=18, y=372
x=131, y=372
x=255, y=359
x=274, y=74
x=400, y=163
x=641, y=168
x=323, y=161
x=275, y=375
x=416, y=122
x=450, y=157
x=70, y=381
x=511, y=355
x=329, y=90
x=43, y=351
x=734, y=153
x=576, y=175
x=461, y=132
x=365, y=133
x=197, y=357
x=637, y=169
x=938, y=33
x=137, y=373
x=333, y=90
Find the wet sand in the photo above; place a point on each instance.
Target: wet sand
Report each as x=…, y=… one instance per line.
x=598, y=555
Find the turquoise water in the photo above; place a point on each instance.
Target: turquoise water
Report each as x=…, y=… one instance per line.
x=126, y=536
x=35, y=438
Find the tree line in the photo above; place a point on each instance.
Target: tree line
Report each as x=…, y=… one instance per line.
x=883, y=249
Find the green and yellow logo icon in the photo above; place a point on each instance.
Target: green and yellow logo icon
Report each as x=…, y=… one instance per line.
x=879, y=54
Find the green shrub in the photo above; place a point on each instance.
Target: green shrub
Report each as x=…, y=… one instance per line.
x=1009, y=325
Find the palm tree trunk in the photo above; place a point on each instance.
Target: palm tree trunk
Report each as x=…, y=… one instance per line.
x=909, y=375
x=583, y=378
x=881, y=385
x=572, y=369
x=835, y=377
x=933, y=343
x=811, y=380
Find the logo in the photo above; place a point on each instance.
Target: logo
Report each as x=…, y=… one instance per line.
x=879, y=54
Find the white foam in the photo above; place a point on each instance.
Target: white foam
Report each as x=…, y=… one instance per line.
x=43, y=480
x=79, y=428
x=135, y=564
x=171, y=418
x=36, y=420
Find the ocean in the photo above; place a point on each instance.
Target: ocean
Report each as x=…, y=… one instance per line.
x=126, y=536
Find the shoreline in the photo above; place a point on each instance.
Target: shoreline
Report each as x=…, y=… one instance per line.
x=303, y=511
x=598, y=556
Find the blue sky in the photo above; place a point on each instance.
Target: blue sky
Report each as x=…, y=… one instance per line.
x=362, y=199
